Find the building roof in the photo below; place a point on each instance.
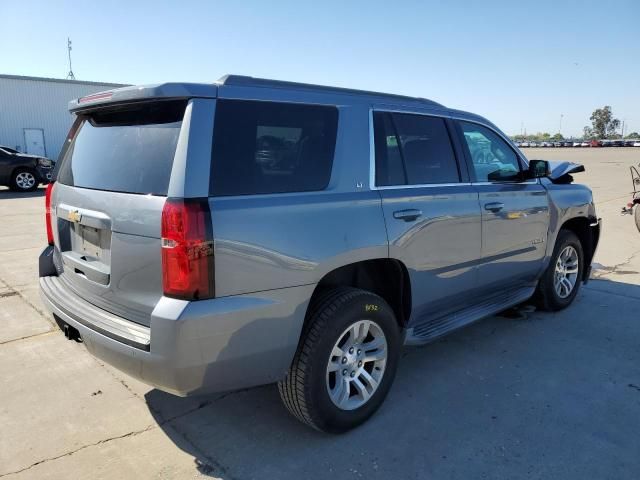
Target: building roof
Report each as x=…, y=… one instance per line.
x=62, y=80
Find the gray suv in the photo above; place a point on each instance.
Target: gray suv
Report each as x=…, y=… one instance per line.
x=214, y=237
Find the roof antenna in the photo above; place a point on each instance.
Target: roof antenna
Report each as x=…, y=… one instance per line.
x=70, y=75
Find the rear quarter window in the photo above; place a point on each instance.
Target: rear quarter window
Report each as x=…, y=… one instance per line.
x=127, y=150
x=271, y=147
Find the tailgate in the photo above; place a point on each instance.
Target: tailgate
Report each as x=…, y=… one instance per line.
x=111, y=187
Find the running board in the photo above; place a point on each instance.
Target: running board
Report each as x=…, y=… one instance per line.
x=437, y=327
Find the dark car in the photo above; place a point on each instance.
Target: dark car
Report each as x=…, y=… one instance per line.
x=22, y=172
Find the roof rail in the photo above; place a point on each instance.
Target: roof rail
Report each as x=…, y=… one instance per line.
x=247, y=81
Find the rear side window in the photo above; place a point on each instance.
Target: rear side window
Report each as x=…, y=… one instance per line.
x=270, y=147
x=413, y=150
x=127, y=150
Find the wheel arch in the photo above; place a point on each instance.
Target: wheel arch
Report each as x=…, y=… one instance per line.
x=588, y=232
x=386, y=277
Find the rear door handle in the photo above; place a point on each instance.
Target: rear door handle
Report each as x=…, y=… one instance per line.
x=494, y=206
x=407, y=215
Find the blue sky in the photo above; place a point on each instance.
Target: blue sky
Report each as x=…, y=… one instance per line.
x=518, y=63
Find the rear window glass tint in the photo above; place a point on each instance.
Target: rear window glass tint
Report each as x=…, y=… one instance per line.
x=270, y=147
x=127, y=150
x=389, y=165
x=426, y=148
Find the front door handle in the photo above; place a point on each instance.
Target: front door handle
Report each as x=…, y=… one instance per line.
x=407, y=215
x=494, y=206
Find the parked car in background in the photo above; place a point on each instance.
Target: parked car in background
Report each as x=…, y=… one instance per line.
x=567, y=144
x=524, y=144
x=629, y=143
x=9, y=149
x=595, y=143
x=205, y=272
x=636, y=143
x=585, y=144
x=558, y=144
x=21, y=172
x=533, y=144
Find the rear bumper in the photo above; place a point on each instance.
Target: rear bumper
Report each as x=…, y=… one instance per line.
x=192, y=347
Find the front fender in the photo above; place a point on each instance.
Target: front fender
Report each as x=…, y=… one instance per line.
x=568, y=202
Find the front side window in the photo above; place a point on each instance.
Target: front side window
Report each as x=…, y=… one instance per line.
x=492, y=158
x=413, y=150
x=270, y=147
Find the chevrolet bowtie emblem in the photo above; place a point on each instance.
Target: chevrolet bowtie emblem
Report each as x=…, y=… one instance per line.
x=74, y=216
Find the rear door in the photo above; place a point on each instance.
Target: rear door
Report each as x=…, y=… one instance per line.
x=515, y=211
x=430, y=208
x=111, y=187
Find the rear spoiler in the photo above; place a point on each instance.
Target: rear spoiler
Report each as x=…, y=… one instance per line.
x=139, y=93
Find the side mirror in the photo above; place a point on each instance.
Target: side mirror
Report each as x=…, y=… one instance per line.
x=539, y=168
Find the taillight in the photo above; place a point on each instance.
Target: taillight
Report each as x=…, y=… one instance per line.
x=187, y=249
x=47, y=212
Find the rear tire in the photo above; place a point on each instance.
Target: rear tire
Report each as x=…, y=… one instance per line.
x=636, y=216
x=24, y=180
x=561, y=280
x=345, y=363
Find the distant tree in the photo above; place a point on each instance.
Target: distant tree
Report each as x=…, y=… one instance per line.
x=603, y=125
x=557, y=137
x=633, y=135
x=588, y=133
x=545, y=136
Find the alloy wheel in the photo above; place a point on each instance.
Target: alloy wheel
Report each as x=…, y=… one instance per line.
x=356, y=365
x=25, y=180
x=566, y=272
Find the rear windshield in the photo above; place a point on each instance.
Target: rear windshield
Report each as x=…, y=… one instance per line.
x=126, y=150
x=272, y=147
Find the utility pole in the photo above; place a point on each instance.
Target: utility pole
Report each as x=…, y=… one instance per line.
x=560, y=129
x=70, y=75
x=622, y=131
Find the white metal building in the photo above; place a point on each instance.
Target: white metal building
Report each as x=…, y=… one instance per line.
x=33, y=111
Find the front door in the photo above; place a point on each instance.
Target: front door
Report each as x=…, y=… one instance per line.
x=34, y=141
x=515, y=211
x=431, y=211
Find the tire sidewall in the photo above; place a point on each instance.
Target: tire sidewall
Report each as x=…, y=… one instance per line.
x=362, y=307
x=636, y=215
x=565, y=238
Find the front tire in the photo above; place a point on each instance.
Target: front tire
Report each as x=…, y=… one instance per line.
x=345, y=363
x=636, y=216
x=561, y=280
x=24, y=180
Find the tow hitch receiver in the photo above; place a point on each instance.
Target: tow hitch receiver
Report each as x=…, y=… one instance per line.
x=71, y=333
